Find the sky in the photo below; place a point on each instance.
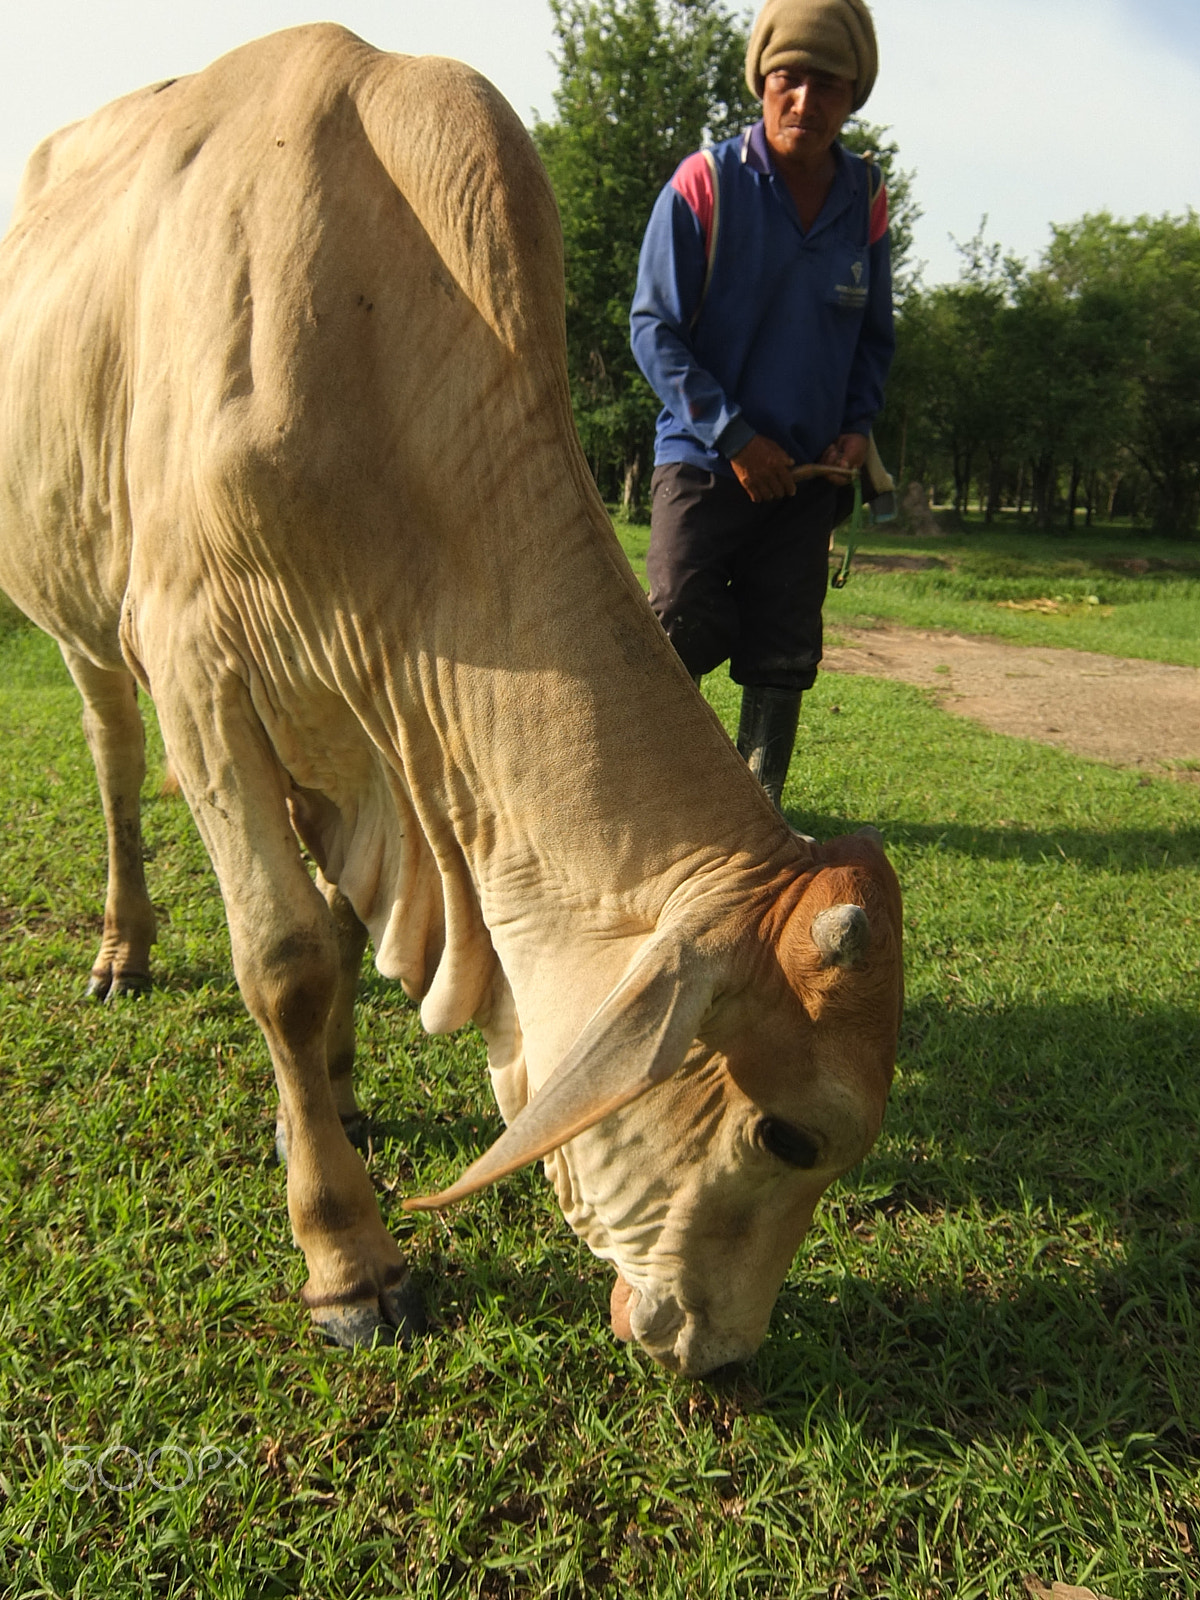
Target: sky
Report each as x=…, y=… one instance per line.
x=1030, y=112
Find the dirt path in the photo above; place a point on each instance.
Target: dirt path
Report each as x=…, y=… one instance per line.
x=1130, y=713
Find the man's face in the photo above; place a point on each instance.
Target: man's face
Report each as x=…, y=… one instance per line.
x=803, y=113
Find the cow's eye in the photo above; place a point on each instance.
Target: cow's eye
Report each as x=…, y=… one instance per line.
x=793, y=1145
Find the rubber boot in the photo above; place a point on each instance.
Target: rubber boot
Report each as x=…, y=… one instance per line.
x=767, y=734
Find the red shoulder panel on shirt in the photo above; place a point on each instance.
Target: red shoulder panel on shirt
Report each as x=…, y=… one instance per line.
x=693, y=180
x=879, y=216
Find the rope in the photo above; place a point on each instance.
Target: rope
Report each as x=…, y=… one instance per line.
x=853, y=534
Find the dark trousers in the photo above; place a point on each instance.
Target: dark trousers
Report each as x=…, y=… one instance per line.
x=733, y=580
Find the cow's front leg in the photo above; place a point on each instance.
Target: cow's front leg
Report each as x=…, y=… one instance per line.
x=339, y=1029
x=112, y=725
x=286, y=956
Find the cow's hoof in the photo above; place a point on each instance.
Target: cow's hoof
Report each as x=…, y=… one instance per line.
x=133, y=984
x=404, y=1308
x=397, y=1317
x=114, y=986
x=355, y=1325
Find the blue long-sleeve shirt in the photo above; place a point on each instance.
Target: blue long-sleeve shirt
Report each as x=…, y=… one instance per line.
x=743, y=323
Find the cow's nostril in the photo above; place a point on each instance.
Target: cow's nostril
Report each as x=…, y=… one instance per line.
x=656, y=1326
x=620, y=1309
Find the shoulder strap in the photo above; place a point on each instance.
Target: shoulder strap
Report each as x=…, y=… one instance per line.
x=714, y=230
x=874, y=185
x=874, y=190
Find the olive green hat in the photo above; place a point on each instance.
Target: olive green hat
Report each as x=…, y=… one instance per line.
x=835, y=36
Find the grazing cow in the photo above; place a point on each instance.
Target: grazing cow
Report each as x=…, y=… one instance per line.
x=286, y=438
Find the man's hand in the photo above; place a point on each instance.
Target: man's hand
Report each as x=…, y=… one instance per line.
x=848, y=450
x=764, y=469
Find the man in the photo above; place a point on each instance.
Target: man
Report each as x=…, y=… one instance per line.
x=763, y=321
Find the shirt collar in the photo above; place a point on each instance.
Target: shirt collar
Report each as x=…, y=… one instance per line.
x=756, y=154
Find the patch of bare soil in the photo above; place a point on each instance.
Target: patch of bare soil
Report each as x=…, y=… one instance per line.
x=886, y=563
x=1130, y=713
x=1139, y=566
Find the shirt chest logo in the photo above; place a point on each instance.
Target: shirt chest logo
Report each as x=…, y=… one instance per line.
x=850, y=285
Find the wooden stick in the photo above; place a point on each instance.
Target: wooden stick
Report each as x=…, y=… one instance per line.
x=818, y=469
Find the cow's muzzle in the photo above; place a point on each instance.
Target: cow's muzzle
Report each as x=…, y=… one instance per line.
x=678, y=1341
x=653, y=1323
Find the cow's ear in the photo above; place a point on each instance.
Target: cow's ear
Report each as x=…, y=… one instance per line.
x=638, y=1037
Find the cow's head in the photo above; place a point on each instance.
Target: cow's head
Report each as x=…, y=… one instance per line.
x=741, y=1065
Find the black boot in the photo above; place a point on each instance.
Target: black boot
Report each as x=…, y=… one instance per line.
x=766, y=735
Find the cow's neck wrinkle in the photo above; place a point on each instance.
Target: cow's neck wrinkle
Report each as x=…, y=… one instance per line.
x=574, y=870
x=561, y=766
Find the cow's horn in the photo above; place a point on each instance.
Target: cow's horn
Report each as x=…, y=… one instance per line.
x=637, y=1038
x=842, y=934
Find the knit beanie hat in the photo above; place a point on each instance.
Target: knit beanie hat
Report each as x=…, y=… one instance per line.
x=835, y=36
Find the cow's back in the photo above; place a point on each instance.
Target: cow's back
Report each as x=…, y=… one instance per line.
x=293, y=328
x=203, y=276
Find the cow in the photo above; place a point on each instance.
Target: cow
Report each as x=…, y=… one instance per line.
x=286, y=440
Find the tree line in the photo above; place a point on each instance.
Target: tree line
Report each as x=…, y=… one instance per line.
x=1067, y=391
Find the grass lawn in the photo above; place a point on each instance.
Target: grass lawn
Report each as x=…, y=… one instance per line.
x=1073, y=590
x=985, y=1362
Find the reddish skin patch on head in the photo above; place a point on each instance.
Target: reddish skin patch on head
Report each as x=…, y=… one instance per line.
x=619, y=1309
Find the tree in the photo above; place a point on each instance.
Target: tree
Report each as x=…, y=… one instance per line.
x=643, y=83
x=948, y=400
x=1150, y=269
x=1071, y=354
x=1070, y=379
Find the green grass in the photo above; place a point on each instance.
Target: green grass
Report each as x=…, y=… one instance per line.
x=984, y=1363
x=976, y=575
